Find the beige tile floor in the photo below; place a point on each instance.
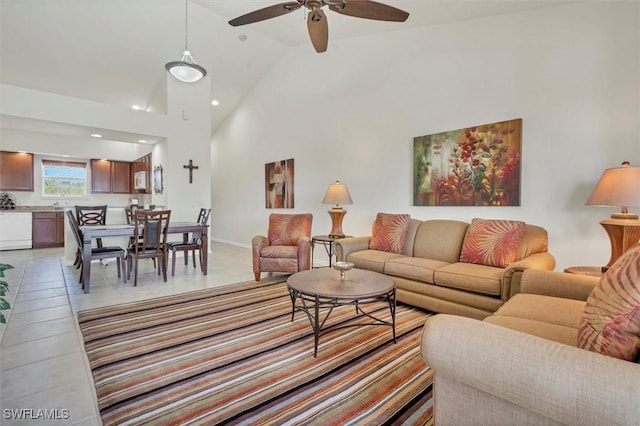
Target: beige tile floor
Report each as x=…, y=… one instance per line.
x=42, y=361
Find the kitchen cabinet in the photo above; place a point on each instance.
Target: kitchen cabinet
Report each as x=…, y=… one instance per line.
x=48, y=229
x=120, y=177
x=16, y=171
x=142, y=164
x=110, y=176
x=100, y=176
x=15, y=230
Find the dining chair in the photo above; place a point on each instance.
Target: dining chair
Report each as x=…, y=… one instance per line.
x=190, y=245
x=129, y=214
x=97, y=253
x=92, y=215
x=150, y=230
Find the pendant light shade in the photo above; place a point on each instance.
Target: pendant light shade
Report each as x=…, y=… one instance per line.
x=186, y=69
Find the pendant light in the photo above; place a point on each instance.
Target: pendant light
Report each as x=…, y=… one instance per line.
x=186, y=69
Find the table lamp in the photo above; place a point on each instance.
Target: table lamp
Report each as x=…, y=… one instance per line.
x=337, y=194
x=619, y=187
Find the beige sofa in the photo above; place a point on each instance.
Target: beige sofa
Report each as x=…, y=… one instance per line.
x=428, y=273
x=521, y=366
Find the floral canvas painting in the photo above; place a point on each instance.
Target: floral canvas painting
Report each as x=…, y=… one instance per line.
x=279, y=184
x=476, y=166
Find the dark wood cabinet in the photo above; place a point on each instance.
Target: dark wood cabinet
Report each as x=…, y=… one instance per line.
x=48, y=229
x=16, y=171
x=120, y=177
x=142, y=164
x=111, y=176
x=101, y=176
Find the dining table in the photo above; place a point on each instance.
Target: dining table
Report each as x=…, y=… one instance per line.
x=92, y=232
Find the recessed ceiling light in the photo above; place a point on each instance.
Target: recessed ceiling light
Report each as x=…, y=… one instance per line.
x=142, y=141
x=135, y=108
x=96, y=135
x=242, y=37
x=215, y=102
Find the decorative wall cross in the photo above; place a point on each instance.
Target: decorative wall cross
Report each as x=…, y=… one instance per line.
x=191, y=168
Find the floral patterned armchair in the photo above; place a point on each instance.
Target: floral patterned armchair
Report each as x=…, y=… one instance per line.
x=287, y=246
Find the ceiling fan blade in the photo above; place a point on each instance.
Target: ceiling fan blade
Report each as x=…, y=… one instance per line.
x=370, y=10
x=266, y=13
x=318, y=30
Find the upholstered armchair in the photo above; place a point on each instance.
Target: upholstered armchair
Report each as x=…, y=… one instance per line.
x=287, y=246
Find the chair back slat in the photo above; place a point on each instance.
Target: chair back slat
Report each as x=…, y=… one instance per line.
x=91, y=215
x=203, y=219
x=151, y=229
x=130, y=214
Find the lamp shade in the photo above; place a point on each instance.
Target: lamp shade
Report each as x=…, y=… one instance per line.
x=186, y=69
x=619, y=187
x=337, y=194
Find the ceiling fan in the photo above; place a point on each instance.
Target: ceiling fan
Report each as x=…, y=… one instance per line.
x=317, y=20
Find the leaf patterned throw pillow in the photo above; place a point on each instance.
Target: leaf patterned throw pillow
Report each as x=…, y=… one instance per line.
x=610, y=323
x=492, y=242
x=389, y=232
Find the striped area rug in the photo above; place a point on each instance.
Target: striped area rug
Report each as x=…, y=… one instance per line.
x=232, y=355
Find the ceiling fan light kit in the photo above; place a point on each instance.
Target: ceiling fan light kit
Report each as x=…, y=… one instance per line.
x=317, y=21
x=186, y=69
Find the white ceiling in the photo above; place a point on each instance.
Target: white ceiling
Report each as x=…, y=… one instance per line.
x=114, y=51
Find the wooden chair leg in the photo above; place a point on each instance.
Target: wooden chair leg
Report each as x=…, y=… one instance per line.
x=135, y=277
x=186, y=256
x=257, y=274
x=173, y=262
x=165, y=263
x=124, y=268
x=119, y=268
x=193, y=252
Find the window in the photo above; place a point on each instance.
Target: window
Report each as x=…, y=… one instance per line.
x=64, y=179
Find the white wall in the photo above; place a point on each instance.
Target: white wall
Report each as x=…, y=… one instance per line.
x=184, y=133
x=571, y=72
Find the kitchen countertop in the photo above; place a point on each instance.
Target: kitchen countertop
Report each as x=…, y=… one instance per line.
x=51, y=208
x=37, y=208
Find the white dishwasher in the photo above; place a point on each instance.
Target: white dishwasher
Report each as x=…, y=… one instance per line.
x=15, y=230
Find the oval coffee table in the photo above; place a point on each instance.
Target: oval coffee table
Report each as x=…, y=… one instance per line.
x=322, y=289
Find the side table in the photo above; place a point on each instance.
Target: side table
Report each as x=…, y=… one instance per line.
x=592, y=271
x=327, y=242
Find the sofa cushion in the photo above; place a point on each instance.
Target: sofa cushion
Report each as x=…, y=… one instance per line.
x=440, y=240
x=389, y=232
x=372, y=260
x=492, y=242
x=413, y=268
x=470, y=277
x=553, y=318
x=555, y=332
x=548, y=309
x=611, y=321
x=534, y=240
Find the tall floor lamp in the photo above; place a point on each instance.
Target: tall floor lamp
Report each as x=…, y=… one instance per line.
x=619, y=187
x=337, y=194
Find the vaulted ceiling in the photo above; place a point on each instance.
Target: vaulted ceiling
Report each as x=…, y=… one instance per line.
x=114, y=51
